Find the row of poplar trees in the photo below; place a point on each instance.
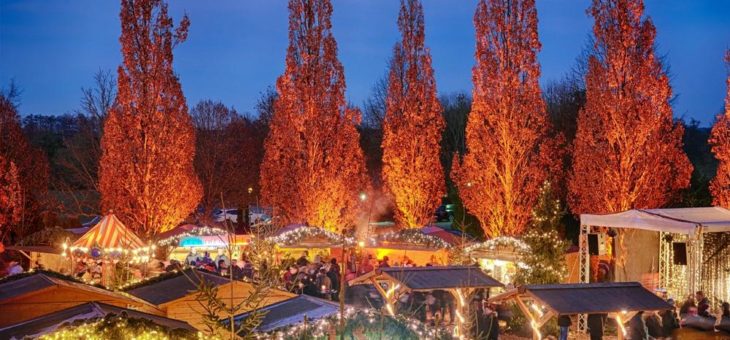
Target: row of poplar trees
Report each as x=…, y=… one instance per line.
x=627, y=152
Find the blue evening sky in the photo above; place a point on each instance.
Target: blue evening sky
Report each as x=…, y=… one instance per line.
x=236, y=48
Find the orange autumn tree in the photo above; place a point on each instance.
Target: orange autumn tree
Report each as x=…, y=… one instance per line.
x=628, y=150
x=313, y=168
x=499, y=178
x=10, y=197
x=146, y=170
x=31, y=166
x=413, y=125
x=720, y=140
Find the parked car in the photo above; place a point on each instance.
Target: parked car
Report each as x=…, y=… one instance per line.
x=220, y=215
x=445, y=213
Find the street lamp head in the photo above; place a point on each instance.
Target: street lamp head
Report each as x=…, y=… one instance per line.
x=363, y=196
x=250, y=190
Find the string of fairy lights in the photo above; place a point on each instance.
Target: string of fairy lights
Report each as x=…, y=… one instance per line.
x=197, y=231
x=411, y=237
x=321, y=328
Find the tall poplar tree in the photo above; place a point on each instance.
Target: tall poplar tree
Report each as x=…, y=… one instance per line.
x=500, y=175
x=627, y=150
x=313, y=168
x=31, y=165
x=146, y=170
x=720, y=140
x=413, y=125
x=11, y=202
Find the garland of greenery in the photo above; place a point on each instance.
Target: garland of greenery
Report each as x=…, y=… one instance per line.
x=496, y=243
x=293, y=237
x=114, y=326
x=368, y=322
x=198, y=231
x=49, y=273
x=413, y=237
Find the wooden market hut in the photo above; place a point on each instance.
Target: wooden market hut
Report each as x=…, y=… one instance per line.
x=422, y=246
x=293, y=240
x=620, y=301
x=49, y=323
x=175, y=294
x=31, y=295
x=290, y=312
x=460, y=281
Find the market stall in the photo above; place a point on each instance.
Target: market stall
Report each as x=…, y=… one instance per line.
x=408, y=246
x=182, y=241
x=500, y=256
x=619, y=301
x=106, y=244
x=460, y=281
x=295, y=240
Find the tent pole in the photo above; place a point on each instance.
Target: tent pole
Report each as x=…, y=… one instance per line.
x=584, y=271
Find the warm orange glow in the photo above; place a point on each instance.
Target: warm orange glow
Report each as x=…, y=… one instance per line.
x=30, y=175
x=313, y=166
x=146, y=173
x=508, y=156
x=412, y=171
x=628, y=150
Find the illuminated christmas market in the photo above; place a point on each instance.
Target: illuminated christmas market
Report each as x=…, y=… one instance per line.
x=362, y=170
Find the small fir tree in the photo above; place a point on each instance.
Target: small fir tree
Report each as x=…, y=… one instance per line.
x=545, y=263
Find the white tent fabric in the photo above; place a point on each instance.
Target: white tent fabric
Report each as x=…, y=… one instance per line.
x=675, y=220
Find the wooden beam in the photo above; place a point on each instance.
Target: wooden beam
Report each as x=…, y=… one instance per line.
x=545, y=318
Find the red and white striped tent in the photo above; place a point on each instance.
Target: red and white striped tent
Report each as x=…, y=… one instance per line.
x=109, y=233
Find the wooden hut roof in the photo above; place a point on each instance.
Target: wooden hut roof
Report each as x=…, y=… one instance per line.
x=170, y=287
x=34, y=283
x=435, y=277
x=291, y=312
x=90, y=310
x=591, y=298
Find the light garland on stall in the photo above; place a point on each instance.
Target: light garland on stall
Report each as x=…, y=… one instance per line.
x=198, y=231
x=119, y=327
x=136, y=255
x=499, y=242
x=320, y=329
x=292, y=237
x=412, y=237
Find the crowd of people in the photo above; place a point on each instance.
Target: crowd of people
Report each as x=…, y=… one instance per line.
x=241, y=269
x=693, y=314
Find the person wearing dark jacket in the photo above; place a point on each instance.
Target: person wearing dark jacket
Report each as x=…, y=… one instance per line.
x=564, y=324
x=670, y=322
x=595, y=326
x=637, y=328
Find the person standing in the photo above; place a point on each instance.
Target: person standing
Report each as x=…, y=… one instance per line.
x=637, y=327
x=670, y=322
x=595, y=326
x=703, y=304
x=564, y=323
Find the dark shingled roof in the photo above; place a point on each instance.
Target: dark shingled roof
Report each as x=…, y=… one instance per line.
x=50, y=322
x=428, y=278
x=20, y=287
x=292, y=311
x=174, y=287
x=593, y=298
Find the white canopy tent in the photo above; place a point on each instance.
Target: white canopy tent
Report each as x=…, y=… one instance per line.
x=677, y=220
x=686, y=223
